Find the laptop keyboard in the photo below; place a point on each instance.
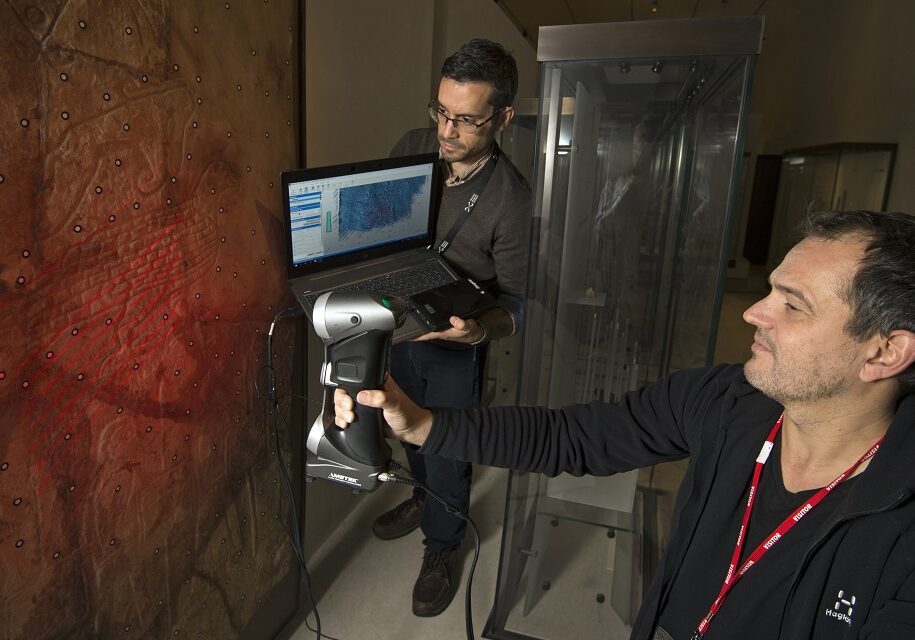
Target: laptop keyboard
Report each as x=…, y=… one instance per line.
x=401, y=284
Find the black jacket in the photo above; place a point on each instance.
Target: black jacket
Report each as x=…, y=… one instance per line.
x=866, y=549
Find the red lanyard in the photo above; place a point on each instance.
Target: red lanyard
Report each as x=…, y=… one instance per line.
x=731, y=578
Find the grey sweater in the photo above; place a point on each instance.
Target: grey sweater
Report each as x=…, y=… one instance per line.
x=492, y=246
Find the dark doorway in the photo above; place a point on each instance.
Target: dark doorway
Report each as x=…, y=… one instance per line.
x=762, y=208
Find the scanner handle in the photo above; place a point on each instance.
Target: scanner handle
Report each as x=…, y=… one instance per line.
x=364, y=439
x=358, y=363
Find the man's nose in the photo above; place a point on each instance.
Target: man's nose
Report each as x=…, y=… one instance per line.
x=757, y=314
x=448, y=129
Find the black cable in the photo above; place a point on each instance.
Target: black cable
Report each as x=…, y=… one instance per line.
x=274, y=408
x=299, y=554
x=450, y=508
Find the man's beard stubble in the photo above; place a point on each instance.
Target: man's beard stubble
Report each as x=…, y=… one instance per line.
x=807, y=381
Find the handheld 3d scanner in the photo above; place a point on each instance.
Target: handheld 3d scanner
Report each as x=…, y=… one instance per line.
x=357, y=330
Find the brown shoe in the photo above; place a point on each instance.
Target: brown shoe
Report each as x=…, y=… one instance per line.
x=437, y=583
x=399, y=521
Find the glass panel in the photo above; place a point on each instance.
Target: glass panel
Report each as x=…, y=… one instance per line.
x=842, y=177
x=503, y=360
x=703, y=228
x=636, y=160
x=806, y=182
x=862, y=180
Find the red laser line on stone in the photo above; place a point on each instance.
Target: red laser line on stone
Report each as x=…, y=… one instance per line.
x=152, y=246
x=42, y=473
x=163, y=278
x=49, y=269
x=99, y=389
x=122, y=312
x=62, y=409
x=88, y=343
x=110, y=287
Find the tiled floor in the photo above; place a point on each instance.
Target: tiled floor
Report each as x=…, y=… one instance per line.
x=364, y=584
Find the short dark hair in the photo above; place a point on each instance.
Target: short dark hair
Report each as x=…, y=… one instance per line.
x=485, y=61
x=881, y=294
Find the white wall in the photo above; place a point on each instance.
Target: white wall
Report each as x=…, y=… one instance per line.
x=367, y=76
x=458, y=21
x=371, y=68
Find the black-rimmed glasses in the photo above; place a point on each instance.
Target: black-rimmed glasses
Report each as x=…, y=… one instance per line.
x=461, y=124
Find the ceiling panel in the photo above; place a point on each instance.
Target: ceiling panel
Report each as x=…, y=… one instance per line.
x=530, y=15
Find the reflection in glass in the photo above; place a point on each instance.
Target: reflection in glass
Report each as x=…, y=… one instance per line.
x=637, y=157
x=838, y=177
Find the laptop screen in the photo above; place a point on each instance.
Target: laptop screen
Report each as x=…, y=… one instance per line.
x=345, y=214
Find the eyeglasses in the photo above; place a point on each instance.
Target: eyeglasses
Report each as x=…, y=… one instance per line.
x=461, y=124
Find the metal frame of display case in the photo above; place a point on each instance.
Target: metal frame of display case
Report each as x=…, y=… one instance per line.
x=529, y=496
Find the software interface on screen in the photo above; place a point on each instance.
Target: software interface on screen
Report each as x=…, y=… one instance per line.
x=348, y=213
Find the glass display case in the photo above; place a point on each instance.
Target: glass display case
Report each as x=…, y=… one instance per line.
x=839, y=177
x=638, y=137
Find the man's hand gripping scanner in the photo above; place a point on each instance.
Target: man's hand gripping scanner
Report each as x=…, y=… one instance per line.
x=356, y=329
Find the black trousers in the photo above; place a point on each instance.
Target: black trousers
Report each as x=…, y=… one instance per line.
x=433, y=375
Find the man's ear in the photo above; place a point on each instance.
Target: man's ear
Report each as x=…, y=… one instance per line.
x=893, y=354
x=505, y=117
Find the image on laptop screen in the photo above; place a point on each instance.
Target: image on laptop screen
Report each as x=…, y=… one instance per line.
x=335, y=215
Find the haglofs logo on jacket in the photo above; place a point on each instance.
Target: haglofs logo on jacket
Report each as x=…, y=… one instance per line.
x=843, y=608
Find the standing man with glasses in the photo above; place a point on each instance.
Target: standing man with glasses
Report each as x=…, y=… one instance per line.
x=482, y=231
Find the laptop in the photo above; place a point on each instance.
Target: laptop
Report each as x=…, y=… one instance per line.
x=364, y=226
